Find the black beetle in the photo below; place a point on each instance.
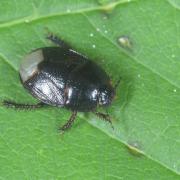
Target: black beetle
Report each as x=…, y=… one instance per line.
x=62, y=77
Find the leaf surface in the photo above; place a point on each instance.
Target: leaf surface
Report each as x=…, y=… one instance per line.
x=138, y=41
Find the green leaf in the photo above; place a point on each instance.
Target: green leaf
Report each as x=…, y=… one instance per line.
x=135, y=40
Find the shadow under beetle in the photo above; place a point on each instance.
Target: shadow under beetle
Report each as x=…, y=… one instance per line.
x=62, y=77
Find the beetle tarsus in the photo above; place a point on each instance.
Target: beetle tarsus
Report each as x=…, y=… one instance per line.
x=69, y=122
x=14, y=105
x=57, y=41
x=104, y=117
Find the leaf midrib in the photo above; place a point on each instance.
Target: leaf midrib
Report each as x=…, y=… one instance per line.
x=128, y=146
x=37, y=17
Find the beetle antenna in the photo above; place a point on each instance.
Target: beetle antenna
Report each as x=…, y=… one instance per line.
x=117, y=83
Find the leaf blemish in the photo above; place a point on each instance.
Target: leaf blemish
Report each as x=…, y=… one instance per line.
x=173, y=56
x=125, y=42
x=94, y=46
x=27, y=21
x=105, y=31
x=135, y=148
x=104, y=17
x=68, y=10
x=91, y=34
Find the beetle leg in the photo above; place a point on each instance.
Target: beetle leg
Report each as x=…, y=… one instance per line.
x=104, y=117
x=69, y=122
x=57, y=41
x=11, y=104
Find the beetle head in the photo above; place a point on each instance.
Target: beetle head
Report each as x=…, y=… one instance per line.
x=106, y=95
